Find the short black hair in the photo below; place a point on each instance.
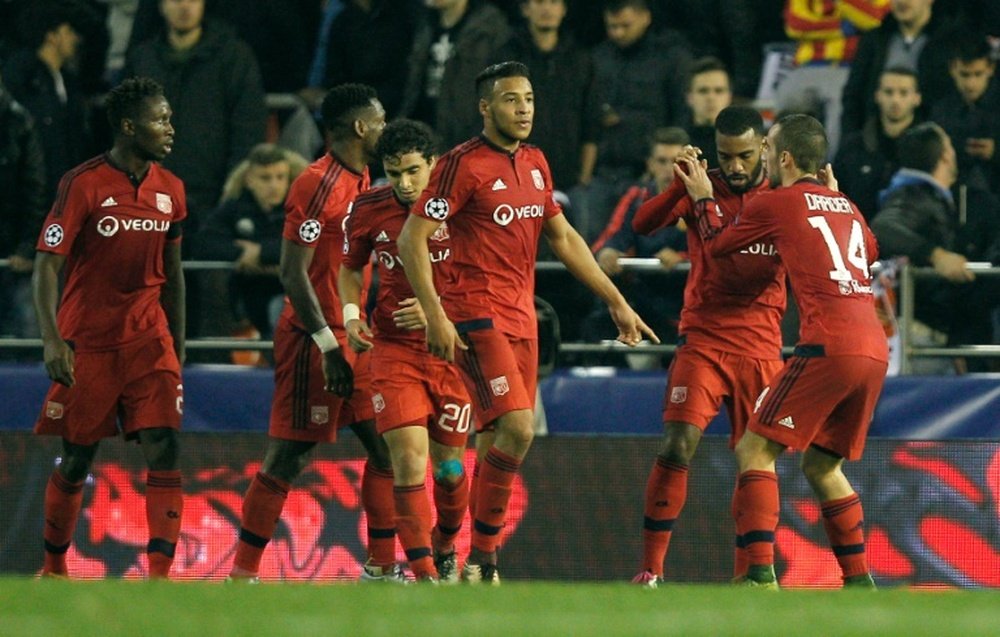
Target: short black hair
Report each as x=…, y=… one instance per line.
x=921, y=147
x=614, y=6
x=668, y=136
x=734, y=121
x=494, y=72
x=41, y=17
x=341, y=105
x=125, y=101
x=406, y=136
x=706, y=64
x=804, y=138
x=970, y=48
x=900, y=70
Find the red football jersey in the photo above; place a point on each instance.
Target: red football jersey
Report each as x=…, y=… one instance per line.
x=732, y=303
x=827, y=247
x=495, y=203
x=375, y=222
x=316, y=210
x=112, y=234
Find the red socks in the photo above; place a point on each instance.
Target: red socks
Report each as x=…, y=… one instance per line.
x=413, y=523
x=262, y=507
x=62, y=507
x=164, y=507
x=843, y=520
x=377, y=500
x=496, y=481
x=666, y=492
x=755, y=507
x=451, y=502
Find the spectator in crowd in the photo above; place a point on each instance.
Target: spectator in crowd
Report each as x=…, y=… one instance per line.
x=639, y=79
x=275, y=30
x=911, y=36
x=826, y=35
x=246, y=229
x=919, y=220
x=353, y=29
x=657, y=298
x=119, y=21
x=728, y=30
x=868, y=158
x=454, y=41
x=971, y=115
x=708, y=92
x=214, y=86
x=566, y=116
x=39, y=77
x=22, y=209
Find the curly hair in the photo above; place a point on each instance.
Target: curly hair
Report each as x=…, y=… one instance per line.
x=125, y=100
x=341, y=105
x=406, y=136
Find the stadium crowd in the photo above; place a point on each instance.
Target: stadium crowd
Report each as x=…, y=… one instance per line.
x=610, y=77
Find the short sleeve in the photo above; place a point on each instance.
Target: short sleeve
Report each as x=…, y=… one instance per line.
x=67, y=216
x=450, y=187
x=304, y=210
x=357, y=240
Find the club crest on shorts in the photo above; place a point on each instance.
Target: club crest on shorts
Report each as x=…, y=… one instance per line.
x=760, y=399
x=54, y=410
x=678, y=394
x=164, y=204
x=537, y=179
x=499, y=385
x=320, y=415
x=378, y=403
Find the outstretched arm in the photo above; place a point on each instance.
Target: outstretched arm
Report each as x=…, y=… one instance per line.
x=572, y=250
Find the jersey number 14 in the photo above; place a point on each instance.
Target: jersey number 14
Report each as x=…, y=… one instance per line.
x=856, y=253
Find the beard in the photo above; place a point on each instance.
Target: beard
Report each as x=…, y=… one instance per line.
x=752, y=179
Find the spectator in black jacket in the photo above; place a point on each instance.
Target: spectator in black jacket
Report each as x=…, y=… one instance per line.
x=910, y=36
x=39, y=77
x=919, y=220
x=214, y=86
x=562, y=73
x=640, y=77
x=868, y=158
x=708, y=92
x=246, y=229
x=971, y=115
x=22, y=210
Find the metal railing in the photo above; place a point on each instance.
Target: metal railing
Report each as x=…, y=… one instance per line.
x=908, y=276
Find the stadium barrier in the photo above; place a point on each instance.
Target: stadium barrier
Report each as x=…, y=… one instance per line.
x=930, y=481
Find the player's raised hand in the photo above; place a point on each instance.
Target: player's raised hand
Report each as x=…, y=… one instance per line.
x=357, y=335
x=630, y=325
x=828, y=179
x=694, y=175
x=409, y=316
x=59, y=361
x=443, y=338
x=338, y=376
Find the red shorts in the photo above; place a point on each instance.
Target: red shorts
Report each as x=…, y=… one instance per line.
x=301, y=408
x=136, y=387
x=699, y=381
x=412, y=387
x=500, y=373
x=825, y=401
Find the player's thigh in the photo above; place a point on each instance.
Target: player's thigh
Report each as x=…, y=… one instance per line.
x=747, y=379
x=86, y=412
x=399, y=388
x=154, y=395
x=696, y=385
x=492, y=375
x=794, y=406
x=847, y=427
x=360, y=406
x=301, y=408
x=453, y=415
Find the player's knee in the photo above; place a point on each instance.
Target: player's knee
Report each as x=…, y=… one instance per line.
x=409, y=462
x=679, y=444
x=449, y=471
x=161, y=448
x=285, y=460
x=818, y=470
x=74, y=468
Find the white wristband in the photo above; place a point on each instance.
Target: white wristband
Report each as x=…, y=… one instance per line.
x=351, y=313
x=325, y=339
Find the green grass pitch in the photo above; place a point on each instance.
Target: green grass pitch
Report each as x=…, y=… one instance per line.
x=107, y=608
